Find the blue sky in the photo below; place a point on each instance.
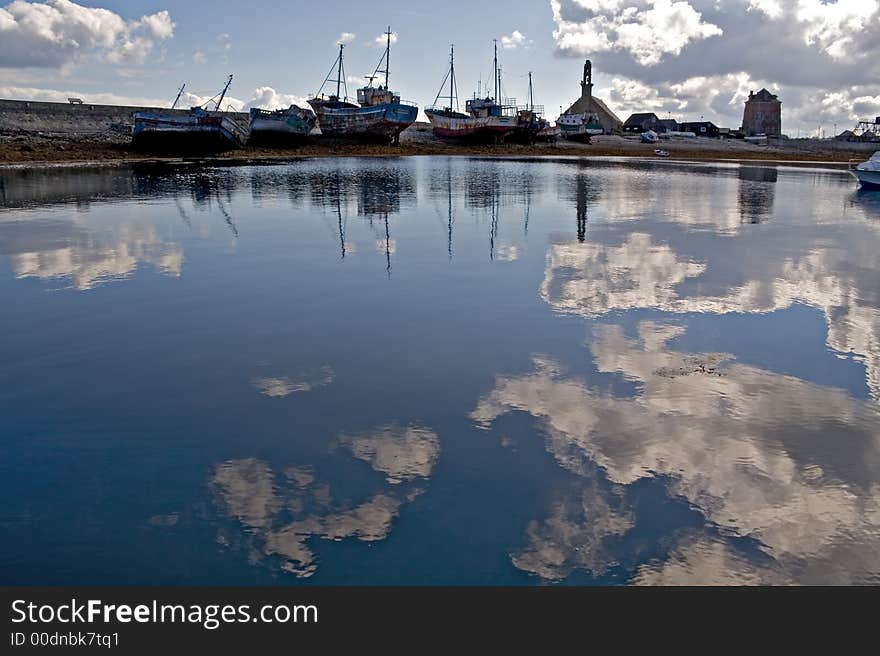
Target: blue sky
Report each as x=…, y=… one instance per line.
x=685, y=58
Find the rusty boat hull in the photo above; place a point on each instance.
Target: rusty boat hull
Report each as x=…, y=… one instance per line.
x=282, y=127
x=381, y=123
x=453, y=125
x=198, y=131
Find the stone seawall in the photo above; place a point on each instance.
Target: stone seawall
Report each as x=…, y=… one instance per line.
x=23, y=118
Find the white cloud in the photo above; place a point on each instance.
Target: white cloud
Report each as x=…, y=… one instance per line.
x=382, y=39
x=833, y=26
x=268, y=98
x=648, y=30
x=199, y=58
x=346, y=37
x=52, y=33
x=514, y=40
x=58, y=95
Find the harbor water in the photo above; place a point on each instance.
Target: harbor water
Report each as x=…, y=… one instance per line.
x=439, y=371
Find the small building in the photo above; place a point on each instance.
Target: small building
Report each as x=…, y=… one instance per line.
x=642, y=122
x=762, y=115
x=667, y=125
x=589, y=104
x=701, y=129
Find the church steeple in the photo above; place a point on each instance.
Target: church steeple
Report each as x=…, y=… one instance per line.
x=587, y=83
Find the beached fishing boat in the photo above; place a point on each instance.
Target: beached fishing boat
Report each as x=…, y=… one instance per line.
x=199, y=130
x=579, y=127
x=281, y=127
x=531, y=125
x=483, y=119
x=379, y=115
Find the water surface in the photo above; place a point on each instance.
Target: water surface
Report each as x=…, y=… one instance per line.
x=431, y=370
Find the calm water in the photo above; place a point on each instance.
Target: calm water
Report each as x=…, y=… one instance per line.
x=439, y=370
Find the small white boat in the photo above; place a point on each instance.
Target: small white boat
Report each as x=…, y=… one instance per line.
x=867, y=173
x=649, y=137
x=661, y=153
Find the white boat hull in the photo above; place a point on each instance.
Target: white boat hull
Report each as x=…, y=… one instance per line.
x=869, y=179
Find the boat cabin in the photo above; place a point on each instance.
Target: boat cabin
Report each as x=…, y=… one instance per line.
x=372, y=96
x=483, y=108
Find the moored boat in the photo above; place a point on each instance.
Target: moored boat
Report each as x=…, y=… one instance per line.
x=196, y=131
x=282, y=126
x=379, y=115
x=868, y=173
x=483, y=118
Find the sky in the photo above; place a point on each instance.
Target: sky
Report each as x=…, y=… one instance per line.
x=685, y=59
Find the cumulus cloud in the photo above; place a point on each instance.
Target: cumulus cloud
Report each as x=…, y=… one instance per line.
x=60, y=95
x=49, y=34
x=513, y=40
x=268, y=98
x=382, y=39
x=647, y=30
x=346, y=37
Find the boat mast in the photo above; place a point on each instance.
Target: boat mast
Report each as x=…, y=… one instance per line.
x=531, y=95
x=339, y=71
x=495, y=68
x=179, y=93
x=388, y=58
x=452, y=90
x=223, y=93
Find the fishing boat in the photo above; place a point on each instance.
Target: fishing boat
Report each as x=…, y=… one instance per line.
x=483, y=119
x=379, y=115
x=579, y=127
x=198, y=130
x=867, y=173
x=281, y=127
x=531, y=125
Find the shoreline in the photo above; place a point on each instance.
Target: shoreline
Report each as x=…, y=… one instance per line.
x=52, y=153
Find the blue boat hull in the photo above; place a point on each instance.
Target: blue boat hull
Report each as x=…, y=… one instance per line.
x=382, y=123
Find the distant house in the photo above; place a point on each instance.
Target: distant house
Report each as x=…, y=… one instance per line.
x=638, y=123
x=701, y=128
x=846, y=135
x=667, y=125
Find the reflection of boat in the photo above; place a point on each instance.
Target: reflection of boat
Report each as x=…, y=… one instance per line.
x=380, y=115
x=198, y=130
x=867, y=173
x=284, y=125
x=579, y=127
x=661, y=153
x=483, y=119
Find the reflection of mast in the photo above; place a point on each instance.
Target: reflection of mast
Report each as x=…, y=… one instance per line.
x=581, y=194
x=387, y=246
x=528, y=207
x=227, y=216
x=339, y=213
x=451, y=220
x=493, y=230
x=182, y=213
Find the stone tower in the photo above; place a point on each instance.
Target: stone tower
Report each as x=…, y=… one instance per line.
x=762, y=114
x=587, y=83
